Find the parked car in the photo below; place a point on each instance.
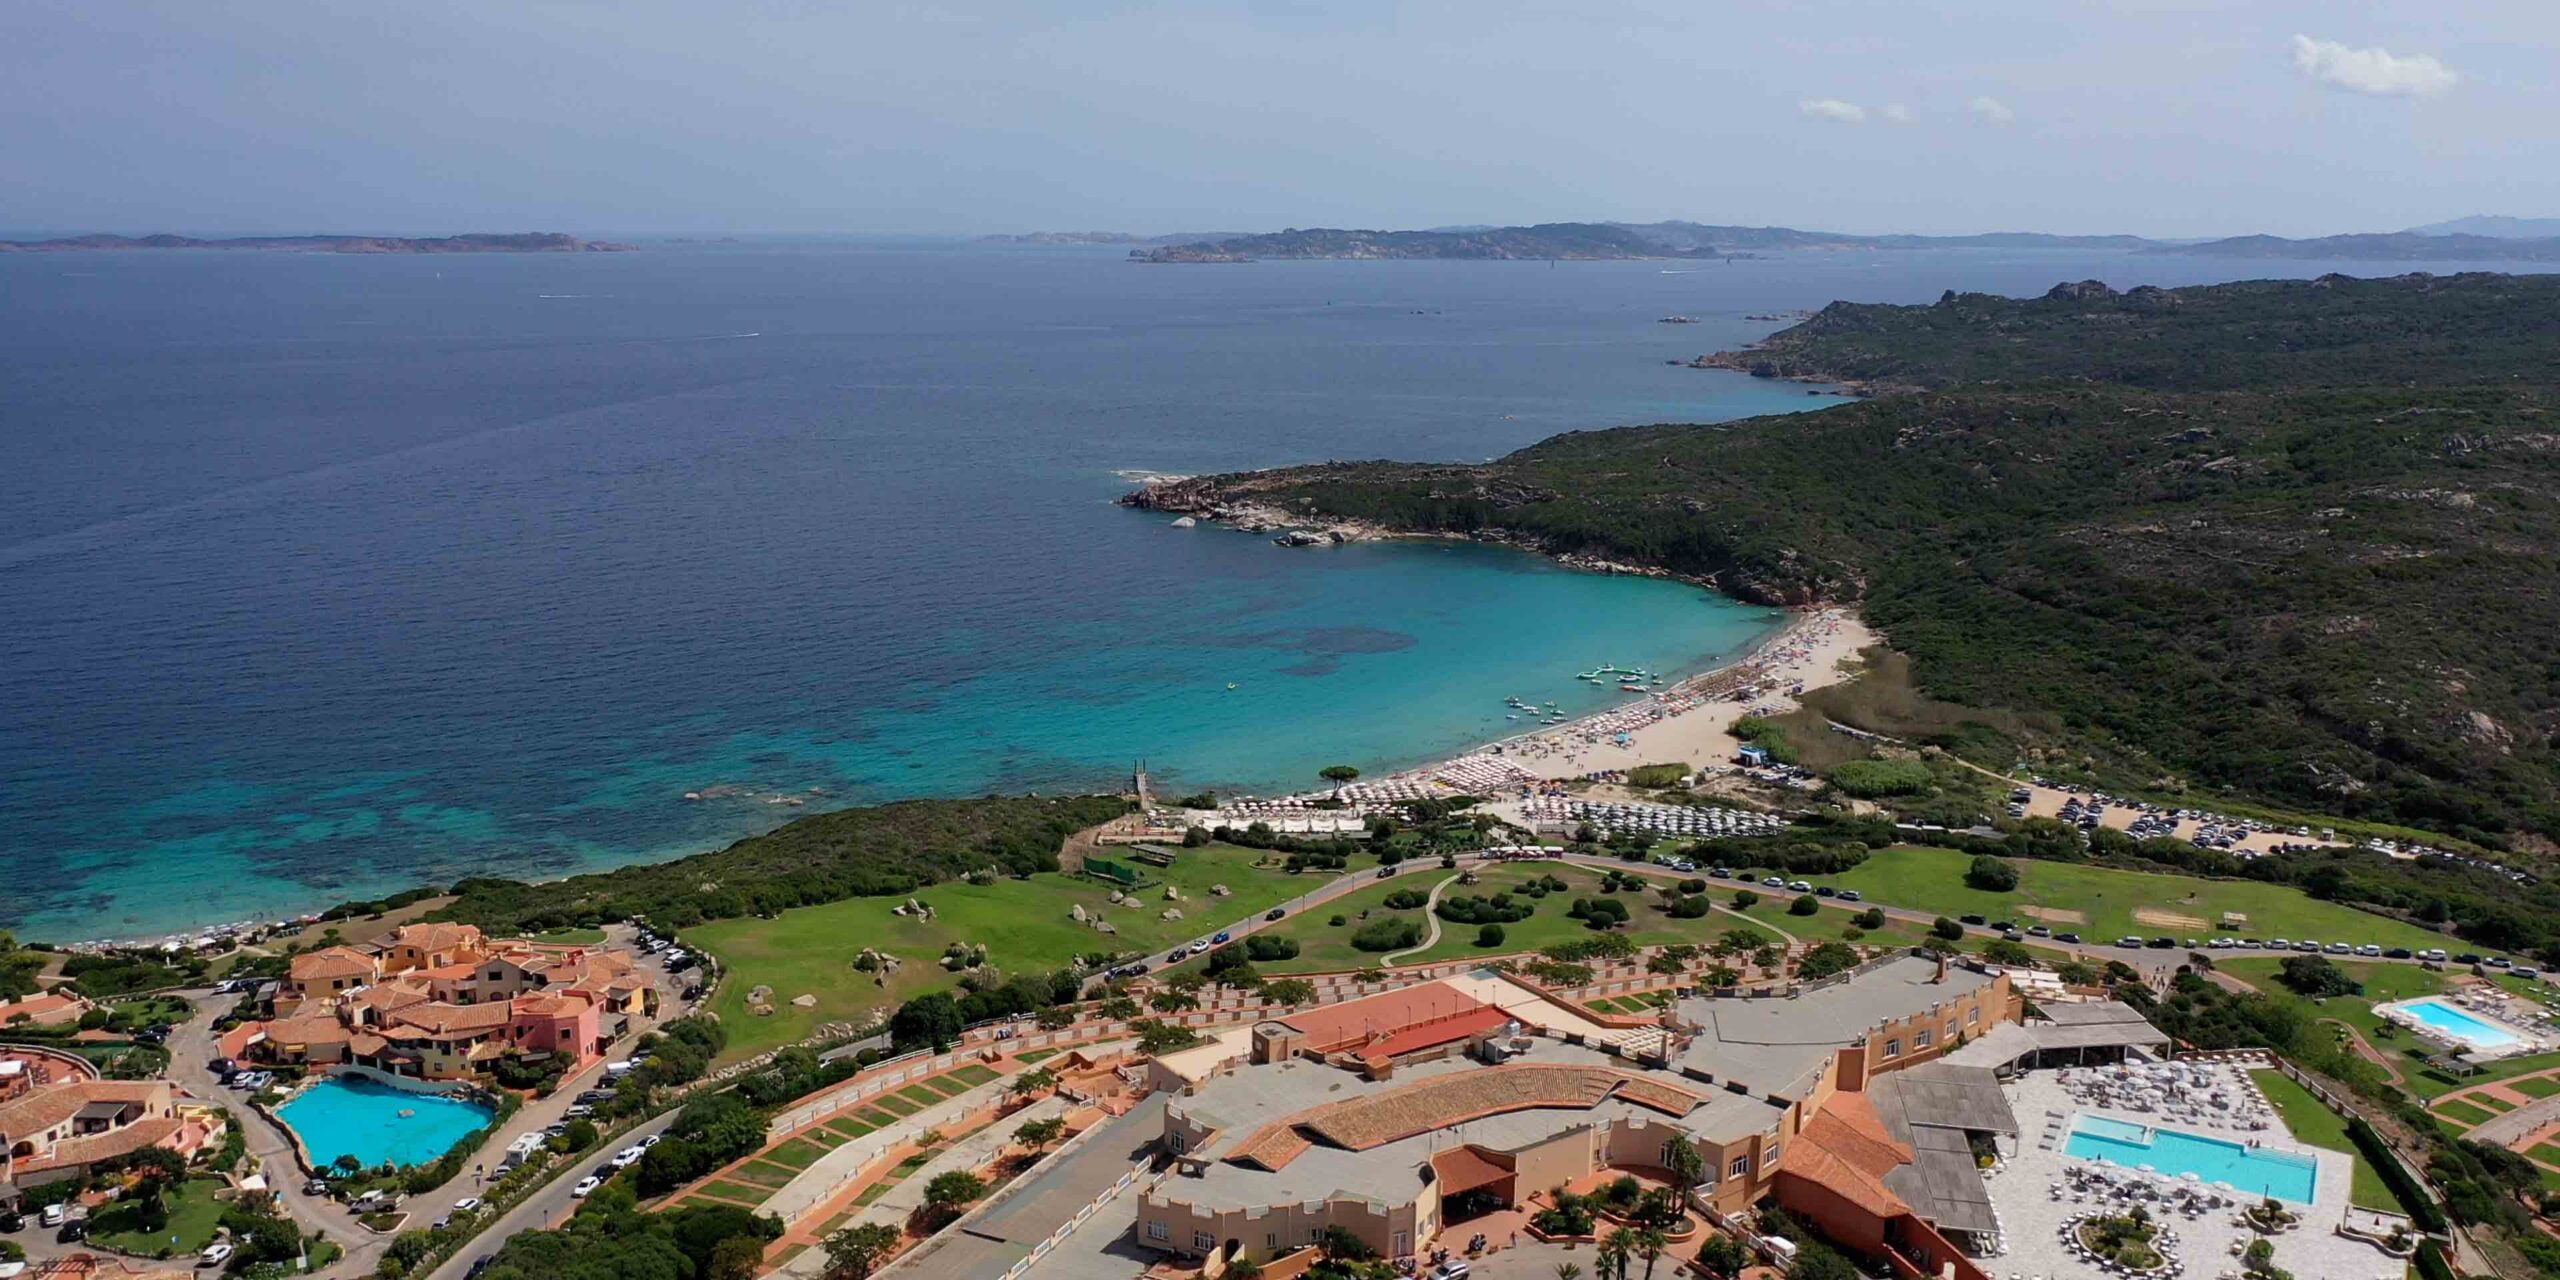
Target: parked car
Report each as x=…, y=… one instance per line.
x=479, y=1265
x=53, y=1214
x=214, y=1254
x=587, y=1185
x=2039, y=931
x=2398, y=953
x=1774, y=882
x=1972, y=920
x=1826, y=891
x=1852, y=895
x=2066, y=937
x=2129, y=940
x=467, y=1204
x=1223, y=936
x=1274, y=914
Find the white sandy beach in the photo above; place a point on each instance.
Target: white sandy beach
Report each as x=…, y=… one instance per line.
x=1691, y=722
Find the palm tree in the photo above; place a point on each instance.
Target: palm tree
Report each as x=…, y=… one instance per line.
x=1651, y=1243
x=1616, y=1251
x=1568, y=1271
x=1681, y=1155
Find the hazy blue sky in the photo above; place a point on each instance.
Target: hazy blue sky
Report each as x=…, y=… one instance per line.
x=2166, y=117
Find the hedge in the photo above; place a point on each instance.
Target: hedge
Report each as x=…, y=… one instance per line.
x=2431, y=1263
x=2422, y=1207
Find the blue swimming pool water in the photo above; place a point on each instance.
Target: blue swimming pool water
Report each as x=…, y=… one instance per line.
x=2256, y=1171
x=350, y=1115
x=2439, y=1016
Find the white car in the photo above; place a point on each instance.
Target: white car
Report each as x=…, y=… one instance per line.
x=587, y=1185
x=53, y=1214
x=467, y=1204
x=651, y=1141
x=214, y=1255
x=628, y=1157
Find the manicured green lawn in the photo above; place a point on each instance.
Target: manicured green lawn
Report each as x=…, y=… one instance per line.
x=972, y=1074
x=921, y=1096
x=895, y=1105
x=1933, y=880
x=799, y=1153
x=2536, y=1086
x=849, y=1127
x=738, y=1193
x=2312, y=1122
x=875, y=1117
x=2492, y=1102
x=1040, y=1055
x=764, y=1173
x=2546, y=1153
x=1025, y=925
x=193, y=1215
x=2461, y=1111
x=874, y=1191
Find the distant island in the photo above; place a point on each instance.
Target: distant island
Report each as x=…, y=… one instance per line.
x=2478, y=238
x=522, y=242
x=2392, y=246
x=1584, y=241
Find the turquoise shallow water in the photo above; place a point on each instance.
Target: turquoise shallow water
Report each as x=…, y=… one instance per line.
x=2254, y=1170
x=350, y=1115
x=328, y=575
x=2460, y=1025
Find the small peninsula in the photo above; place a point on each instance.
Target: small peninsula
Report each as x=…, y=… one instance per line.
x=478, y=242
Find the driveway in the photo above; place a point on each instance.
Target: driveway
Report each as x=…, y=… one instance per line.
x=545, y=1208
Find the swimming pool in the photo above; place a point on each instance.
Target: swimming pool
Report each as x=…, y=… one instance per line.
x=2256, y=1171
x=2455, y=1024
x=353, y=1115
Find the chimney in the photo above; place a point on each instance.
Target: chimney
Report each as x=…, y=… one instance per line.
x=1942, y=968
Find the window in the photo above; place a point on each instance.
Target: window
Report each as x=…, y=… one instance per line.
x=1271, y=1240
x=1770, y=1159
x=1159, y=1231
x=1893, y=1047
x=1972, y=1016
x=1922, y=1040
x=1203, y=1241
x=1740, y=1168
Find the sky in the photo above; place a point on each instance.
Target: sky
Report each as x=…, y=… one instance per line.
x=2155, y=117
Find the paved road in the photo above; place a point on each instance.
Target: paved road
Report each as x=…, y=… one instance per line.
x=545, y=1208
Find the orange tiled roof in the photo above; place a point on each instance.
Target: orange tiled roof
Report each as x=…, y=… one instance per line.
x=1428, y=1035
x=1466, y=1168
x=1274, y=1147
x=315, y=1029
x=45, y=1108
x=1334, y=1027
x=332, y=962
x=98, y=1146
x=450, y=1019
x=441, y=936
x=1847, y=1149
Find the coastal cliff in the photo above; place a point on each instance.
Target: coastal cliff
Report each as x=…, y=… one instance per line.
x=524, y=242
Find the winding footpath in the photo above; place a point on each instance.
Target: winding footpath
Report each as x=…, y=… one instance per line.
x=1430, y=916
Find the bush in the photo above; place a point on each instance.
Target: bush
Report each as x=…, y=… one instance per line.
x=1804, y=905
x=1824, y=959
x=1490, y=935
x=1870, y=919
x=1657, y=775
x=1387, y=935
x=1744, y=899
x=1869, y=779
x=2315, y=976
x=1947, y=929
x=1265, y=947
x=1406, y=899
x=1992, y=874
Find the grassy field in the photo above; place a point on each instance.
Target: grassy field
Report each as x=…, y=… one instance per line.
x=2311, y=1121
x=1024, y=923
x=2105, y=901
x=193, y=1214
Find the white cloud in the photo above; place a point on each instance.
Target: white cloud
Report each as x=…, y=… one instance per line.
x=2376, y=71
x=1833, y=109
x=1991, y=109
x=1896, y=113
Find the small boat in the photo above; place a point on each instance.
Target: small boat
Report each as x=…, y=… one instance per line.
x=1231, y=684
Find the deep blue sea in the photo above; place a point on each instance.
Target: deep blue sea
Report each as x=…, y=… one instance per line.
x=323, y=575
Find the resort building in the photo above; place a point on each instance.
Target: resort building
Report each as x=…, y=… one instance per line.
x=1400, y=1116
x=440, y=1002
x=43, y=1009
x=57, y=1117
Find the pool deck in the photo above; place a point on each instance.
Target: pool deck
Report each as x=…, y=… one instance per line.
x=2031, y=1219
x=2523, y=1039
